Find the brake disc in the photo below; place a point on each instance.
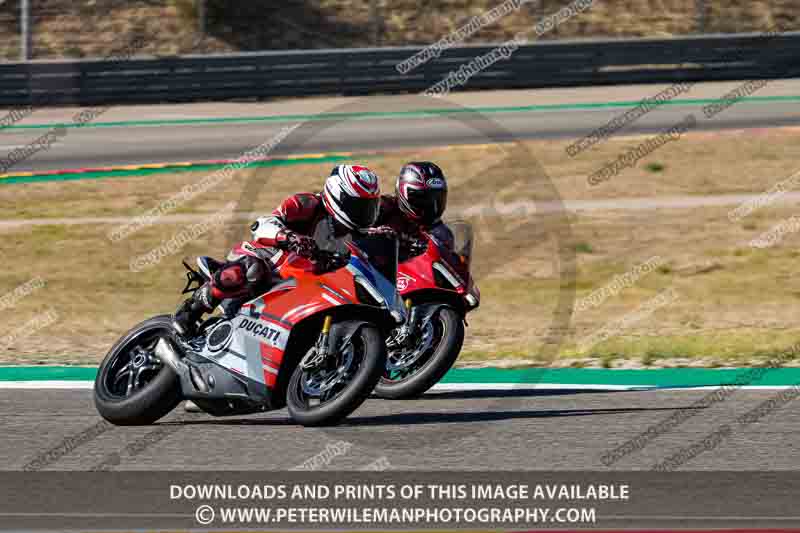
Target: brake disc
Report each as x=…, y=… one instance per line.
x=404, y=358
x=318, y=380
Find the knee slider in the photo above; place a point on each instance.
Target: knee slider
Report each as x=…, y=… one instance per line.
x=230, y=277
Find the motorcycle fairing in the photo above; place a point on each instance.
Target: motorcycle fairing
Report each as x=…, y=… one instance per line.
x=386, y=288
x=251, y=346
x=265, y=323
x=418, y=271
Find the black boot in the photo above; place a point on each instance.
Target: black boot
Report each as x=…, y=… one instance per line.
x=191, y=311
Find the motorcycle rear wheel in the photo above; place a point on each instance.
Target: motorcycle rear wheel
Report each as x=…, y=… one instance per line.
x=132, y=387
x=450, y=339
x=370, y=352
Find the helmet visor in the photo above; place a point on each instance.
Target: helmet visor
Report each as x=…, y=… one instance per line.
x=429, y=205
x=363, y=212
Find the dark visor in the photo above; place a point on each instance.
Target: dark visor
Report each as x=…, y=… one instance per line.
x=362, y=211
x=429, y=205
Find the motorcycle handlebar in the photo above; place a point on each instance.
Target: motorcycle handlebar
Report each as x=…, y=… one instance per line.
x=326, y=260
x=383, y=231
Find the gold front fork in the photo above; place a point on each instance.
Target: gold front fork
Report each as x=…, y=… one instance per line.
x=316, y=357
x=326, y=334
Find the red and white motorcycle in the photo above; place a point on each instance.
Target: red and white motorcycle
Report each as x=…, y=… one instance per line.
x=314, y=342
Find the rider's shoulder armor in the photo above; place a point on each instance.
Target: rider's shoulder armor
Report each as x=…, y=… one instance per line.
x=300, y=207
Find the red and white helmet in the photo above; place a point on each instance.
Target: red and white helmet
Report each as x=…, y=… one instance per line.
x=352, y=196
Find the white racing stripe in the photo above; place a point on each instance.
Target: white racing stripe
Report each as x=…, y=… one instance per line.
x=331, y=299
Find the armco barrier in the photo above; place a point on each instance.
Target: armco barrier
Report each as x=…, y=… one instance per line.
x=371, y=71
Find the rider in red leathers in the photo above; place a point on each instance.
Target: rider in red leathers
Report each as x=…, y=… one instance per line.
x=349, y=202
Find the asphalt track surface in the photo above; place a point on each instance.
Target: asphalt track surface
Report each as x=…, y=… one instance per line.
x=462, y=430
x=564, y=114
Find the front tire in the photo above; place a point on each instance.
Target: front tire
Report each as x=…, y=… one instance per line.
x=372, y=354
x=445, y=353
x=157, y=390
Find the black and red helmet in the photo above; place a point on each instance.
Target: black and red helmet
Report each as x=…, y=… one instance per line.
x=422, y=192
x=352, y=196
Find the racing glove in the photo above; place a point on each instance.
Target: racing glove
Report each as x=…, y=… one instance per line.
x=417, y=247
x=380, y=231
x=302, y=245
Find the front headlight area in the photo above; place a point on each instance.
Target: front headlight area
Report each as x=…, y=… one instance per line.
x=446, y=278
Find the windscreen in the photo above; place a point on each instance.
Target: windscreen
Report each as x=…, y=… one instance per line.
x=382, y=253
x=326, y=239
x=456, y=240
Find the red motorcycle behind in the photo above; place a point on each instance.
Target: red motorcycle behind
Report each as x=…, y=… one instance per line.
x=438, y=291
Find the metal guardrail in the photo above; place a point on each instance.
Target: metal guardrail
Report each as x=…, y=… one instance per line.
x=372, y=71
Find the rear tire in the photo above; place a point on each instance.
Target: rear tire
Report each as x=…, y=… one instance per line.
x=356, y=391
x=160, y=395
x=438, y=364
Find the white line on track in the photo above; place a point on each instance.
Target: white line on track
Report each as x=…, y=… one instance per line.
x=46, y=384
x=450, y=387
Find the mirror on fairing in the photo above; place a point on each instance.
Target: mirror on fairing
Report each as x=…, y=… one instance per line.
x=457, y=238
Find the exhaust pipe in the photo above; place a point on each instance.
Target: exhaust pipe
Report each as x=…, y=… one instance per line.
x=169, y=356
x=165, y=351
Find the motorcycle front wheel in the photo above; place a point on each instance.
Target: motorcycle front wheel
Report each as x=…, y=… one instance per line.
x=447, y=338
x=327, y=394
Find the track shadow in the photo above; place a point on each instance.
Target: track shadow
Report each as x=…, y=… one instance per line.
x=416, y=418
x=491, y=416
x=209, y=420
x=513, y=393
